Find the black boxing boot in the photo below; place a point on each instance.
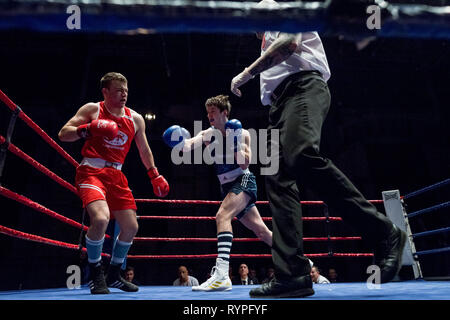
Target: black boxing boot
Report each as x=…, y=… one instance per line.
x=114, y=280
x=285, y=288
x=388, y=254
x=97, y=282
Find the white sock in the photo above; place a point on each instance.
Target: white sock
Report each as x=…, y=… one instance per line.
x=223, y=266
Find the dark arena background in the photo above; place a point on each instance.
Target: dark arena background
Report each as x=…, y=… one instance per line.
x=387, y=129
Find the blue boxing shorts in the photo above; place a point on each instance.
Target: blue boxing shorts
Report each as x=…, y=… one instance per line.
x=244, y=183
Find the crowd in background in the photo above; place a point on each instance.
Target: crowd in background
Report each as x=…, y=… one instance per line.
x=245, y=275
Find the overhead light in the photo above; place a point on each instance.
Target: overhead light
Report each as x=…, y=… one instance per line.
x=149, y=116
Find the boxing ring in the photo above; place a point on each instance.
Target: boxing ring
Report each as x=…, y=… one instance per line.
x=415, y=289
x=394, y=291
x=407, y=290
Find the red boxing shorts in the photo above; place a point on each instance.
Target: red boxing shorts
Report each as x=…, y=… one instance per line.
x=104, y=184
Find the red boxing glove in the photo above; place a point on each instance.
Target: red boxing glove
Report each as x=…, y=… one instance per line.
x=160, y=185
x=102, y=128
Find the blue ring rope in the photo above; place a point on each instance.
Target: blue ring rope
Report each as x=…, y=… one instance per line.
x=426, y=233
x=433, y=186
x=426, y=210
x=424, y=252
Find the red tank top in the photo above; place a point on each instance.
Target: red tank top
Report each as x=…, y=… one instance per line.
x=111, y=150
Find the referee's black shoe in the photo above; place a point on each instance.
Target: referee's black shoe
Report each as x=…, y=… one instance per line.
x=114, y=280
x=286, y=288
x=388, y=254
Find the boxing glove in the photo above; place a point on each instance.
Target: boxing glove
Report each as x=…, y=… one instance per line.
x=175, y=135
x=160, y=185
x=102, y=128
x=234, y=127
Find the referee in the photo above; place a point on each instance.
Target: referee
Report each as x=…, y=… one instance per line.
x=293, y=72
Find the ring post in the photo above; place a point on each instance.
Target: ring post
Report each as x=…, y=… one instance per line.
x=328, y=228
x=396, y=212
x=9, y=133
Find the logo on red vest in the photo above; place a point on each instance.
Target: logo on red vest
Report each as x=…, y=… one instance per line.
x=119, y=140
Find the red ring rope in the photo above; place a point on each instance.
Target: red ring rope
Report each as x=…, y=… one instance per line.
x=35, y=238
x=11, y=105
x=21, y=199
x=237, y=255
x=12, y=148
x=309, y=239
x=215, y=202
x=29, y=203
x=213, y=218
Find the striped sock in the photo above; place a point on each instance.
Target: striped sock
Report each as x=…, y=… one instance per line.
x=224, y=241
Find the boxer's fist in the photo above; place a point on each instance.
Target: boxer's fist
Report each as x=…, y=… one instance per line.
x=102, y=128
x=160, y=185
x=234, y=127
x=175, y=135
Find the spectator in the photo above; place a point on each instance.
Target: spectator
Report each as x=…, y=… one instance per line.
x=184, y=279
x=129, y=275
x=316, y=277
x=270, y=273
x=253, y=275
x=332, y=275
x=243, y=278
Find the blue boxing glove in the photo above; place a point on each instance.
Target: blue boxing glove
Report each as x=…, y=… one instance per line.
x=234, y=127
x=175, y=135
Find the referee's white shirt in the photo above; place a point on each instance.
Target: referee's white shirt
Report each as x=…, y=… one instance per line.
x=310, y=55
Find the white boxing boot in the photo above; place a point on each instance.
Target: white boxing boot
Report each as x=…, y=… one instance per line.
x=219, y=280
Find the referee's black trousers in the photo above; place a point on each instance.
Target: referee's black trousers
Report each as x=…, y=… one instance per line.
x=300, y=108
